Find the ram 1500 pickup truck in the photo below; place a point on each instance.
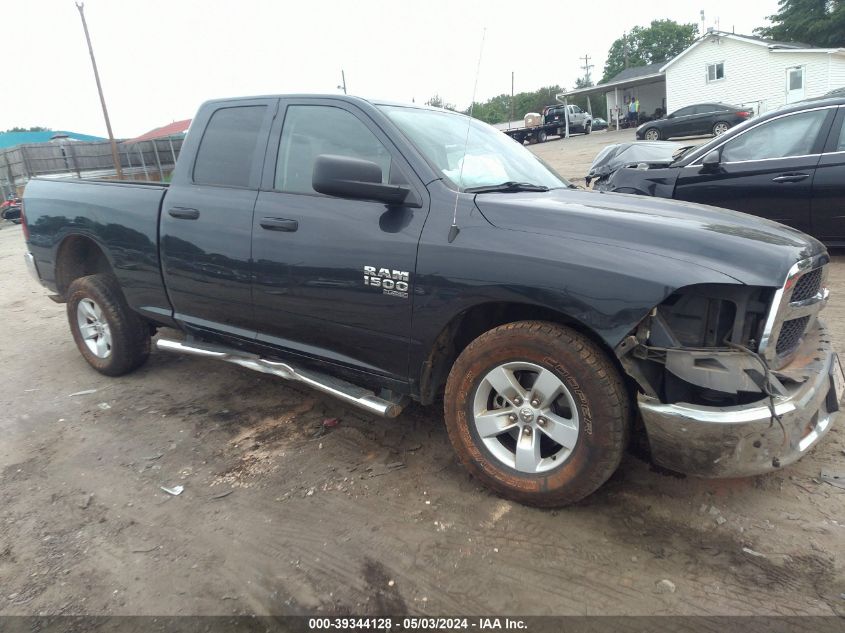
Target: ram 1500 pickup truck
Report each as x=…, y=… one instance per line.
x=384, y=253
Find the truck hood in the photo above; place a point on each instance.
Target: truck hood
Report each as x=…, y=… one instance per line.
x=751, y=250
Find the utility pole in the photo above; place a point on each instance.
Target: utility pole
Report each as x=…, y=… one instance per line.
x=343, y=85
x=587, y=66
x=114, y=154
x=511, y=104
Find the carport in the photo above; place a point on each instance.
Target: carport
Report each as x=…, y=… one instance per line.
x=646, y=83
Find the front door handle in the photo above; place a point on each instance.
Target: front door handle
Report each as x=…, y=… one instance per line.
x=183, y=213
x=279, y=224
x=791, y=178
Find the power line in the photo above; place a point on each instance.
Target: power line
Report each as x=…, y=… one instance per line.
x=587, y=66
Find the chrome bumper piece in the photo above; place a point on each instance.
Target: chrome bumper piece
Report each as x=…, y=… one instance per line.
x=745, y=440
x=31, y=266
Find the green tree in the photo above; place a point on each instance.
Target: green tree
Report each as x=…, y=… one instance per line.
x=498, y=109
x=437, y=102
x=658, y=42
x=814, y=22
x=27, y=129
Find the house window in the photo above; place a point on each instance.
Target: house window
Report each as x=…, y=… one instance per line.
x=715, y=72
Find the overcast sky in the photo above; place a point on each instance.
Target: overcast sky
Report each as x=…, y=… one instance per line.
x=159, y=59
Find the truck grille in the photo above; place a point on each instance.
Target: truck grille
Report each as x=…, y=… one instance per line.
x=790, y=335
x=794, y=310
x=807, y=286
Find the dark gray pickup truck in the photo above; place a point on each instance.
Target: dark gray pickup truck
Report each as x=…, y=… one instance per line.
x=384, y=253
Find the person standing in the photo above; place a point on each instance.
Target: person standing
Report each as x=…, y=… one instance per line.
x=632, y=111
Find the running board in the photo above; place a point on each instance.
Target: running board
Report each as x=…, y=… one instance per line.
x=346, y=391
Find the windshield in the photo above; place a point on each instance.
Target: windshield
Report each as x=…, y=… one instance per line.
x=491, y=157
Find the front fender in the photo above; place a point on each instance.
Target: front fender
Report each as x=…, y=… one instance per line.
x=647, y=182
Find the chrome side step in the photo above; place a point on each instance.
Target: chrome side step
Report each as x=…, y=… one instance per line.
x=346, y=391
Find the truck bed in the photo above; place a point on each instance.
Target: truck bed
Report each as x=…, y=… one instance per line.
x=121, y=217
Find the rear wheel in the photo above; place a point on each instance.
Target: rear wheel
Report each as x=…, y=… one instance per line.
x=537, y=412
x=720, y=128
x=652, y=134
x=541, y=137
x=110, y=336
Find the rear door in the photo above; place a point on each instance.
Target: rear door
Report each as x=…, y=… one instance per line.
x=334, y=277
x=828, y=203
x=766, y=171
x=206, y=218
x=706, y=115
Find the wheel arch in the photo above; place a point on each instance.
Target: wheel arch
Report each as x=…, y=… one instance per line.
x=471, y=323
x=79, y=256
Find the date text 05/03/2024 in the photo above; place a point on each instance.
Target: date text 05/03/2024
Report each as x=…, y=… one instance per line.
x=418, y=623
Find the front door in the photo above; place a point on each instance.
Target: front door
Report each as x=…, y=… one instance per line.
x=334, y=278
x=206, y=218
x=683, y=122
x=766, y=171
x=794, y=84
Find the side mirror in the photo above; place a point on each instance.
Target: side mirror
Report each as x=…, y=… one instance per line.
x=346, y=177
x=711, y=161
x=670, y=116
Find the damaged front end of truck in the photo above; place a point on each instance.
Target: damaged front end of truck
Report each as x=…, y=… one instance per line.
x=736, y=380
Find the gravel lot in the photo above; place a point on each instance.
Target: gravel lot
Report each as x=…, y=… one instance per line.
x=282, y=514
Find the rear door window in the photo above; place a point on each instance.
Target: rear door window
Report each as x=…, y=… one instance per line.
x=228, y=148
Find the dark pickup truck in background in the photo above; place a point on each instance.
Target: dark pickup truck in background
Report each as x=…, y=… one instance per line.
x=553, y=123
x=385, y=253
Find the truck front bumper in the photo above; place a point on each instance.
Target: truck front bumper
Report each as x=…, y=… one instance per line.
x=746, y=440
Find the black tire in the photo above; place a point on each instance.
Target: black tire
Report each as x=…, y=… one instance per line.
x=652, y=131
x=542, y=136
x=596, y=393
x=588, y=128
x=128, y=333
x=720, y=127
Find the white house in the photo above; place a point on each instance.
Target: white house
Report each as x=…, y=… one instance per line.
x=750, y=71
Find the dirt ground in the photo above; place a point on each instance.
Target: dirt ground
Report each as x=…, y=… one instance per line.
x=282, y=513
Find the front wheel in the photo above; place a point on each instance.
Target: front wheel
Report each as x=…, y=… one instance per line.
x=110, y=336
x=541, y=137
x=720, y=128
x=588, y=128
x=537, y=412
x=652, y=134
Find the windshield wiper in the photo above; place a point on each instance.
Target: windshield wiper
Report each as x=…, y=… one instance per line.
x=510, y=186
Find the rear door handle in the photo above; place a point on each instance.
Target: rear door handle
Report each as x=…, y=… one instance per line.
x=279, y=224
x=791, y=178
x=183, y=213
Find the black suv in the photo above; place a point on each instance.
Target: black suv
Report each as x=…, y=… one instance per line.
x=694, y=120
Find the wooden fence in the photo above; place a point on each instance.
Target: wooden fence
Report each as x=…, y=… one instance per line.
x=146, y=160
